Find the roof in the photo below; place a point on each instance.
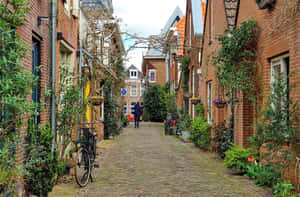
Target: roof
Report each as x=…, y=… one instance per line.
x=132, y=67
x=175, y=17
x=153, y=52
x=198, y=16
x=98, y=4
x=180, y=26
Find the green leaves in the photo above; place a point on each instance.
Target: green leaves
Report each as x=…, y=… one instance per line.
x=235, y=65
x=237, y=158
x=155, y=103
x=201, y=132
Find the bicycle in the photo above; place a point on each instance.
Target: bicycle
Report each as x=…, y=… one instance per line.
x=85, y=155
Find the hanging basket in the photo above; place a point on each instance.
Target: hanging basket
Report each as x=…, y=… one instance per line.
x=97, y=100
x=195, y=100
x=220, y=105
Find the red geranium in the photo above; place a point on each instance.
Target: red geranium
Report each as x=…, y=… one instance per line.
x=251, y=159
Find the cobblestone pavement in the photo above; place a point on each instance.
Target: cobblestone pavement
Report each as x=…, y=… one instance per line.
x=144, y=162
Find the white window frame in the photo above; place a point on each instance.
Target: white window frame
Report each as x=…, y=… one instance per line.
x=132, y=76
x=209, y=102
x=131, y=90
x=278, y=61
x=179, y=72
x=152, y=71
x=142, y=89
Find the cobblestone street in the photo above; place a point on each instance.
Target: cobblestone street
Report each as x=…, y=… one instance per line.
x=144, y=162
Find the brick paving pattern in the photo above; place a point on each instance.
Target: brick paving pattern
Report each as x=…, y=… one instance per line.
x=144, y=162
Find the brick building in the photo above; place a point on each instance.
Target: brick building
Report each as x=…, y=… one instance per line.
x=133, y=90
x=278, y=44
x=192, y=47
x=155, y=66
x=175, y=38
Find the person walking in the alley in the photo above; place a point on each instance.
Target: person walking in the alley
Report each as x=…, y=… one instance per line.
x=137, y=114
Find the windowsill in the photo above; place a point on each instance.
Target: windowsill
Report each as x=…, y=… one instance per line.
x=152, y=81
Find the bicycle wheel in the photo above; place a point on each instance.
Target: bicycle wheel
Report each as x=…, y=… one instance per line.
x=82, y=167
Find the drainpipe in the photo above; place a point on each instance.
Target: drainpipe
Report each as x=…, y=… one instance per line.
x=81, y=90
x=53, y=57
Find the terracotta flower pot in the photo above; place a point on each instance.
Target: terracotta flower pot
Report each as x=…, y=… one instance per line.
x=70, y=163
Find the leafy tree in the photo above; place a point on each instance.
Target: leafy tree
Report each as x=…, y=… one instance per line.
x=110, y=117
x=15, y=85
x=154, y=104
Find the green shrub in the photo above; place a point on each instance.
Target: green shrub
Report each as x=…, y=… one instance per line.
x=237, y=158
x=201, y=133
x=125, y=121
x=155, y=104
x=185, y=123
x=222, y=139
x=42, y=167
x=283, y=189
x=263, y=174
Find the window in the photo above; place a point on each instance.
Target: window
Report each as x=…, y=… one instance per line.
x=179, y=72
x=132, y=107
x=209, y=102
x=152, y=76
x=125, y=108
x=133, y=90
x=133, y=74
x=102, y=107
x=279, y=68
x=142, y=90
x=36, y=89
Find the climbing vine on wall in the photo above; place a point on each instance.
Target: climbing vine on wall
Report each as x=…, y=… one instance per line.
x=235, y=65
x=15, y=86
x=185, y=62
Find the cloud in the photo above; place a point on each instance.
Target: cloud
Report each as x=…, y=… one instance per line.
x=144, y=18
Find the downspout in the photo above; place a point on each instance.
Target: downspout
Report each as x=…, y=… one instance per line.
x=80, y=78
x=53, y=57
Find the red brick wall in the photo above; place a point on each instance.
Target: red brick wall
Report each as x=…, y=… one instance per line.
x=278, y=34
x=26, y=32
x=68, y=26
x=193, y=52
x=159, y=65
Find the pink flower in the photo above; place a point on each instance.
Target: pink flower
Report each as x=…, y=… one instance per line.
x=251, y=159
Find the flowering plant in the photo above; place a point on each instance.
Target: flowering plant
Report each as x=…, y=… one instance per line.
x=219, y=101
x=251, y=159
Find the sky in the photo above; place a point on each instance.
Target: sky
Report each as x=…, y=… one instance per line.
x=144, y=17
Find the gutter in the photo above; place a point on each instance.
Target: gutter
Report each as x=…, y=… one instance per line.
x=53, y=60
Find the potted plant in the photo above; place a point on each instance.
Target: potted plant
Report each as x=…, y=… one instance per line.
x=70, y=163
x=97, y=100
x=219, y=102
x=184, y=126
x=195, y=100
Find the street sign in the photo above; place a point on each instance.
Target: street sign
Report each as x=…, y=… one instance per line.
x=123, y=92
